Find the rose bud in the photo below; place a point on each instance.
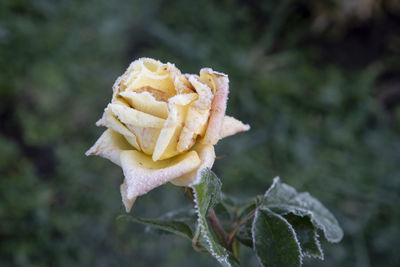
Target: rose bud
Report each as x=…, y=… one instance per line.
x=162, y=125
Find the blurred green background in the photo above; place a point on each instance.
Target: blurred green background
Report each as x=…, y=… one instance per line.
x=318, y=81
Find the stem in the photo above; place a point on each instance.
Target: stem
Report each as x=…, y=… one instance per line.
x=196, y=244
x=189, y=191
x=232, y=235
x=236, y=249
x=214, y=222
x=217, y=227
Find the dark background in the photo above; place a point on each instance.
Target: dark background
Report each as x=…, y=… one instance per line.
x=318, y=81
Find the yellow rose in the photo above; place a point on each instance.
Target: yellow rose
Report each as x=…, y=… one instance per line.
x=163, y=125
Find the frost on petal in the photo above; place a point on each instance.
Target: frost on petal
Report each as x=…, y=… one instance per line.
x=182, y=85
x=108, y=120
x=219, y=83
x=147, y=73
x=155, y=75
x=146, y=136
x=232, y=126
x=147, y=103
x=109, y=146
x=207, y=158
x=134, y=117
x=142, y=174
x=197, y=116
x=128, y=203
x=166, y=146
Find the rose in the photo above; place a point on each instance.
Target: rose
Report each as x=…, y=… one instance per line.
x=163, y=125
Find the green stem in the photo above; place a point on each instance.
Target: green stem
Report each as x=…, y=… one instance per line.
x=236, y=249
x=232, y=235
x=214, y=222
x=217, y=227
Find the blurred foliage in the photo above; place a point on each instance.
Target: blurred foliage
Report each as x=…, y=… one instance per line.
x=319, y=82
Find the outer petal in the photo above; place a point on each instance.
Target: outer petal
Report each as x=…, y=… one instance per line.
x=207, y=158
x=142, y=174
x=109, y=146
x=232, y=126
x=128, y=203
x=220, y=83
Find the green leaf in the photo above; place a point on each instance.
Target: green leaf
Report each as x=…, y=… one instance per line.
x=244, y=234
x=187, y=214
x=174, y=226
x=225, y=216
x=274, y=240
x=284, y=199
x=306, y=235
x=207, y=194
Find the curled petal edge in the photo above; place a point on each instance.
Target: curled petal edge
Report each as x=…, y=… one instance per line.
x=109, y=145
x=207, y=158
x=142, y=174
x=220, y=83
x=232, y=126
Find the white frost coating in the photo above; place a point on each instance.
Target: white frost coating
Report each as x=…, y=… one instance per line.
x=253, y=234
x=232, y=126
x=164, y=114
x=220, y=84
x=295, y=238
x=128, y=203
x=312, y=255
x=109, y=146
x=204, y=232
x=143, y=175
x=207, y=158
x=299, y=207
x=274, y=183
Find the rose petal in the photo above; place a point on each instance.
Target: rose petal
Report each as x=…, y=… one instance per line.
x=232, y=126
x=146, y=103
x=197, y=115
x=108, y=120
x=182, y=85
x=166, y=146
x=207, y=158
x=134, y=117
x=142, y=174
x=220, y=83
x=153, y=74
x=147, y=72
x=146, y=137
x=109, y=145
x=128, y=203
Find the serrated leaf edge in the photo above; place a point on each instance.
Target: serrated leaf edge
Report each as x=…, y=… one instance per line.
x=285, y=221
x=201, y=222
x=306, y=212
x=321, y=256
x=276, y=180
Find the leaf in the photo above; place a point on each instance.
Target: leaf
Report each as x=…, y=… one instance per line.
x=284, y=199
x=187, y=214
x=224, y=215
x=274, y=240
x=174, y=226
x=244, y=234
x=207, y=194
x=306, y=235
